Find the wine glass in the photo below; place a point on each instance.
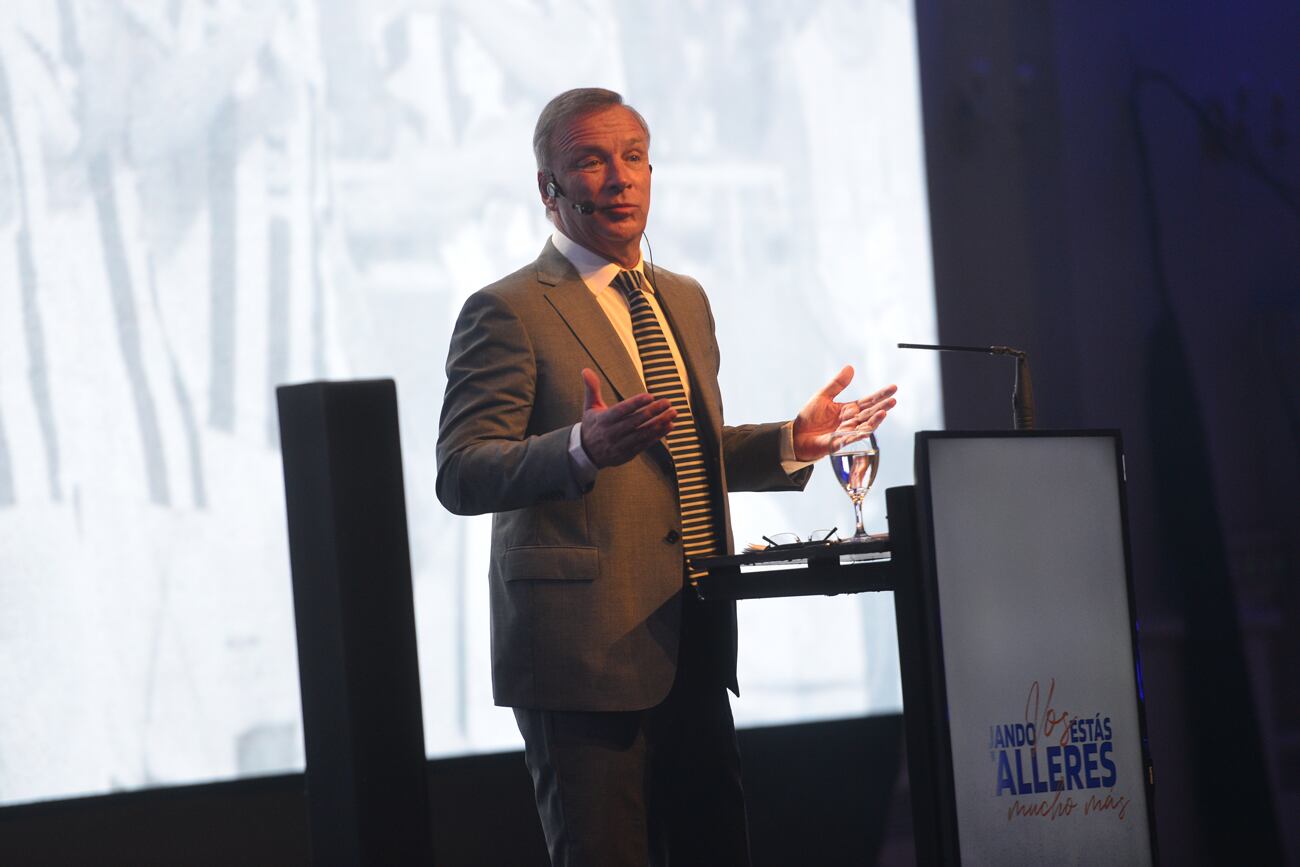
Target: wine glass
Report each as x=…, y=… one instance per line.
x=855, y=467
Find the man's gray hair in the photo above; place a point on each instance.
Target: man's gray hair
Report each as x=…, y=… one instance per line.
x=568, y=107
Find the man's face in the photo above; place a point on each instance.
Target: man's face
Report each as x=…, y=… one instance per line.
x=602, y=158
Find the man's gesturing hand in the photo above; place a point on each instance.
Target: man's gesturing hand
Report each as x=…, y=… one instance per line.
x=613, y=435
x=824, y=425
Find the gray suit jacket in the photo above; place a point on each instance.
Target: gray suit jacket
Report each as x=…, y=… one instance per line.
x=586, y=591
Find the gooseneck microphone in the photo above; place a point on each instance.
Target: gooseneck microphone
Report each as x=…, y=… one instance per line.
x=553, y=190
x=1022, y=395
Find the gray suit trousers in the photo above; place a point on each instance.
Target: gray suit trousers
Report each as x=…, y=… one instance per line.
x=660, y=786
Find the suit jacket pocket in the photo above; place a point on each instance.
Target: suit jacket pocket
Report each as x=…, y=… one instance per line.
x=551, y=563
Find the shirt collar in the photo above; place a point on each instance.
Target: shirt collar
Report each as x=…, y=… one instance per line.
x=594, y=269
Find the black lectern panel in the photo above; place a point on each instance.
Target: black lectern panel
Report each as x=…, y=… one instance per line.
x=360, y=684
x=1031, y=643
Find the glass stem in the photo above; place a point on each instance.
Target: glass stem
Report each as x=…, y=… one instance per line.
x=857, y=516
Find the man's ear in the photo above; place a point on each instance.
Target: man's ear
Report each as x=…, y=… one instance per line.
x=543, y=179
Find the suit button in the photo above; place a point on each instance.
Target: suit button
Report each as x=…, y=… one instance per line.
x=673, y=537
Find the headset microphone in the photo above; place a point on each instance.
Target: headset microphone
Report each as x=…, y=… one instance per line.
x=553, y=190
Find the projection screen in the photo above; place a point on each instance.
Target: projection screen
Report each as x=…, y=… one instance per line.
x=202, y=200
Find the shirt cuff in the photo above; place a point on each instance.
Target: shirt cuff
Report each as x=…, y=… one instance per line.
x=788, y=462
x=581, y=468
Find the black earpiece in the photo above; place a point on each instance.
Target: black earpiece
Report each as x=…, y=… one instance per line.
x=553, y=190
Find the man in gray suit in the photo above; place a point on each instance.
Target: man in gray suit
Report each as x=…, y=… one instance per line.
x=617, y=673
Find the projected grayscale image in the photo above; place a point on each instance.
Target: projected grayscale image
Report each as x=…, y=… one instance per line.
x=202, y=200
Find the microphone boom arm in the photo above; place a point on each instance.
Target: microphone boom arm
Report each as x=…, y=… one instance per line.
x=1022, y=393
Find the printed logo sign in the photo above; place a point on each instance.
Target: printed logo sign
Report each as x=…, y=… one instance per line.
x=1052, y=764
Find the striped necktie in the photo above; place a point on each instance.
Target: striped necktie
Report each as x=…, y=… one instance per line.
x=699, y=535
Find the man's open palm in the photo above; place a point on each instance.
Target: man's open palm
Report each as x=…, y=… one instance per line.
x=825, y=425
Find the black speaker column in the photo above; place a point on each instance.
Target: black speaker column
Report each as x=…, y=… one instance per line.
x=362, y=721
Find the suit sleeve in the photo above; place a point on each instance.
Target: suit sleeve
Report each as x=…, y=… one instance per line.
x=752, y=454
x=488, y=459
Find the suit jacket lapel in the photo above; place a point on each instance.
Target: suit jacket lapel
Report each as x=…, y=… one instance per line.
x=689, y=321
x=582, y=313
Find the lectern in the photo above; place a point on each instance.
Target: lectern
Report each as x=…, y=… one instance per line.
x=1022, y=698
